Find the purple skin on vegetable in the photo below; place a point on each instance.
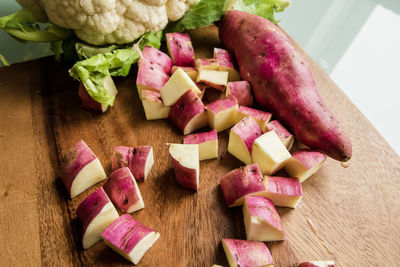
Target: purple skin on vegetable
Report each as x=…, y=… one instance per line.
x=284, y=186
x=186, y=109
x=91, y=207
x=185, y=176
x=242, y=91
x=247, y=253
x=138, y=162
x=74, y=161
x=134, y=158
x=247, y=136
x=241, y=182
x=180, y=49
x=200, y=137
x=150, y=77
x=87, y=102
x=122, y=189
x=154, y=57
x=282, y=81
x=125, y=233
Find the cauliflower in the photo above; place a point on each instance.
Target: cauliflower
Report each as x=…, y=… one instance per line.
x=102, y=22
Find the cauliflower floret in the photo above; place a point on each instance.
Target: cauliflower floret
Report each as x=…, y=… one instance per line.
x=177, y=8
x=110, y=21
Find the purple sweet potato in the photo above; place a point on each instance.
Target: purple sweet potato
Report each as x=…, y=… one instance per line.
x=282, y=81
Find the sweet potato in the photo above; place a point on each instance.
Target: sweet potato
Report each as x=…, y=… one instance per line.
x=241, y=139
x=181, y=49
x=81, y=169
x=236, y=184
x=207, y=141
x=247, y=253
x=282, y=81
x=188, y=113
x=261, y=220
x=95, y=212
x=190, y=71
x=121, y=187
x=129, y=238
x=139, y=160
x=157, y=59
x=242, y=91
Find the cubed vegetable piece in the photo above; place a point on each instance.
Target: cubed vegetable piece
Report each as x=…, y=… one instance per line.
x=190, y=71
x=129, y=238
x=241, y=139
x=87, y=102
x=177, y=85
x=261, y=117
x=208, y=144
x=139, y=160
x=225, y=61
x=304, y=163
x=157, y=59
x=222, y=113
x=242, y=91
x=213, y=78
x=207, y=64
x=121, y=187
x=180, y=49
x=317, y=264
x=153, y=106
x=247, y=253
x=185, y=160
x=283, y=191
x=261, y=220
x=81, y=169
x=285, y=136
x=95, y=212
x=150, y=78
x=188, y=113
x=270, y=153
x=241, y=182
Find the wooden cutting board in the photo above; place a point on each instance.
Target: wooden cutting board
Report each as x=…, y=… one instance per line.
x=350, y=215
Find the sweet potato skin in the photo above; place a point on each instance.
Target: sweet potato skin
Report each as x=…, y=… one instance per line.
x=282, y=81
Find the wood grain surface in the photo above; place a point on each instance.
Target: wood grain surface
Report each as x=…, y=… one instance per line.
x=350, y=215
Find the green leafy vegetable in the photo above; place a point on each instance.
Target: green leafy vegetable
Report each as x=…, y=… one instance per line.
x=202, y=14
x=206, y=12
x=263, y=8
x=86, y=51
x=92, y=71
x=23, y=26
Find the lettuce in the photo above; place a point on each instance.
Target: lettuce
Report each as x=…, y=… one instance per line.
x=206, y=12
x=263, y=8
x=92, y=71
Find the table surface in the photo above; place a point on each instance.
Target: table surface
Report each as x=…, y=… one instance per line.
x=350, y=215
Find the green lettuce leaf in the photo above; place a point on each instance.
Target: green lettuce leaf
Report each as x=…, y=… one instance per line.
x=23, y=26
x=204, y=13
x=86, y=51
x=263, y=8
x=92, y=71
